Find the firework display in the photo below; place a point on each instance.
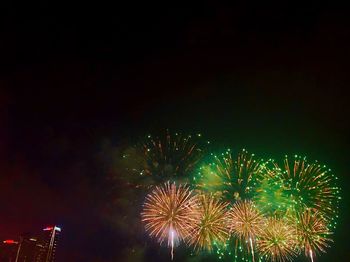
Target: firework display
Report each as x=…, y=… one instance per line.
x=239, y=207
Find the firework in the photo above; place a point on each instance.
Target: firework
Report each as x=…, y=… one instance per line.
x=246, y=222
x=170, y=212
x=309, y=186
x=312, y=233
x=232, y=178
x=277, y=241
x=270, y=195
x=168, y=156
x=212, y=227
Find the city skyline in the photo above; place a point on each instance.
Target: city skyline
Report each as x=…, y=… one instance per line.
x=39, y=247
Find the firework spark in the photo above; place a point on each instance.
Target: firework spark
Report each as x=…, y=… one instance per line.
x=212, y=226
x=246, y=222
x=312, y=233
x=277, y=241
x=232, y=178
x=170, y=212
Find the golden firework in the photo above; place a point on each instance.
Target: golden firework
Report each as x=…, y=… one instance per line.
x=170, y=212
x=212, y=226
x=246, y=222
x=312, y=233
x=277, y=241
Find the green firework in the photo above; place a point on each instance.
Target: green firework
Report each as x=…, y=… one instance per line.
x=270, y=195
x=310, y=185
x=231, y=177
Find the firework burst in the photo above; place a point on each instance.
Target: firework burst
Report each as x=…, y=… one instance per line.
x=312, y=232
x=170, y=212
x=212, y=227
x=231, y=178
x=168, y=156
x=246, y=222
x=277, y=241
x=309, y=186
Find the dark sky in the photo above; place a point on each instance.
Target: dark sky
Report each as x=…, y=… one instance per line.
x=77, y=79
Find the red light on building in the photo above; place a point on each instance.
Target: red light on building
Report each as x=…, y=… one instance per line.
x=10, y=241
x=8, y=250
x=48, y=228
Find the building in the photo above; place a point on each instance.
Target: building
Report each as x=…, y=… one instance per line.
x=8, y=250
x=47, y=244
x=26, y=249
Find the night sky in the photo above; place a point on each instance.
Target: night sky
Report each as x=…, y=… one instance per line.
x=78, y=81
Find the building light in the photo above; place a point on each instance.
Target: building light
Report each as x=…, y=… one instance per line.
x=10, y=241
x=52, y=228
